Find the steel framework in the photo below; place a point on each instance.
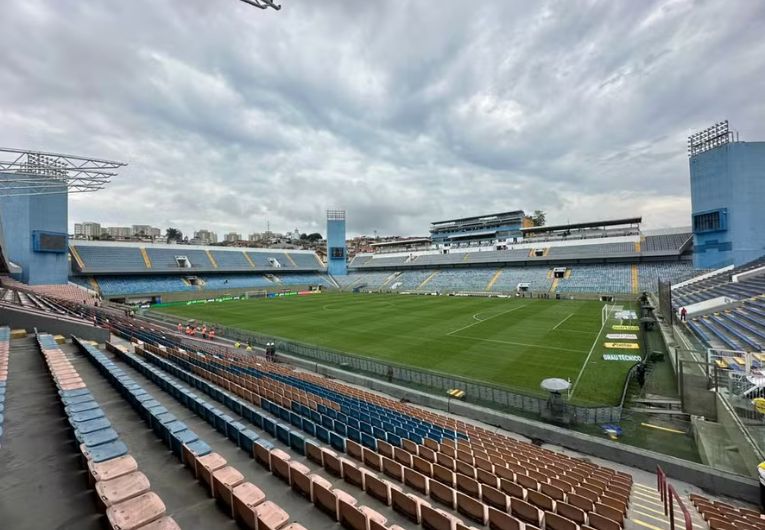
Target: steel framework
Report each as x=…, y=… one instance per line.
x=263, y=4
x=25, y=172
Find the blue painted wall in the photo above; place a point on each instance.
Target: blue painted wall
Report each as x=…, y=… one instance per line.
x=336, y=266
x=23, y=215
x=729, y=179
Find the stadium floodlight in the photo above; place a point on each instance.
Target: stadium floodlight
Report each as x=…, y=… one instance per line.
x=711, y=137
x=25, y=172
x=262, y=4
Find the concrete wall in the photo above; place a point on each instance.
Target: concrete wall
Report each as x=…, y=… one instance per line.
x=336, y=238
x=730, y=177
x=20, y=319
x=20, y=217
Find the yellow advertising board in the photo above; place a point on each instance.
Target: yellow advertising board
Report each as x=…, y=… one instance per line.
x=622, y=327
x=622, y=345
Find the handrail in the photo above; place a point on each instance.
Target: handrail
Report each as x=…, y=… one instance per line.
x=668, y=493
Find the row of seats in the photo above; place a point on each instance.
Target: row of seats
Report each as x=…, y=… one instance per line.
x=5, y=344
x=157, y=284
x=724, y=516
x=244, y=501
x=126, y=259
x=594, y=509
x=528, y=503
x=604, y=278
x=662, y=242
x=121, y=489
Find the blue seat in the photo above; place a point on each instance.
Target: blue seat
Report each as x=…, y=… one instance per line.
x=309, y=427
x=394, y=439
x=353, y=434
x=369, y=441
x=179, y=438
x=95, y=438
x=81, y=407
x=247, y=439
x=269, y=426
x=233, y=430
x=86, y=415
x=199, y=448
x=322, y=434
x=337, y=441
x=92, y=425
x=340, y=428
x=107, y=451
x=221, y=423
x=283, y=433
x=297, y=442
x=168, y=430
x=296, y=420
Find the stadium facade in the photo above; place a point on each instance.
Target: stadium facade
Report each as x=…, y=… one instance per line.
x=727, y=187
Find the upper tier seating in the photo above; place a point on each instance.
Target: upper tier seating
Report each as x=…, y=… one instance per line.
x=231, y=260
x=165, y=259
x=672, y=242
x=106, y=259
x=606, y=250
x=121, y=259
x=364, y=280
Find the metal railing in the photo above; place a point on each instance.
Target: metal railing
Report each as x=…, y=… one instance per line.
x=668, y=498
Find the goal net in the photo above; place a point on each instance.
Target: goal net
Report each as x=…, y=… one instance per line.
x=256, y=294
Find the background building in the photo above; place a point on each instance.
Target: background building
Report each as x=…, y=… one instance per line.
x=232, y=237
x=204, y=237
x=87, y=230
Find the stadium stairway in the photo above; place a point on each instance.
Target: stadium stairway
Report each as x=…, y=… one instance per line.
x=31, y=495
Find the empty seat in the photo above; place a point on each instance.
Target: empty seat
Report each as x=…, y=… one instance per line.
x=135, y=512
x=121, y=488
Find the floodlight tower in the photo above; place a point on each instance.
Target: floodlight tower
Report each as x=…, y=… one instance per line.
x=336, y=252
x=34, y=187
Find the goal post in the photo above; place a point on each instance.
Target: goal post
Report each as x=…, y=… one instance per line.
x=256, y=294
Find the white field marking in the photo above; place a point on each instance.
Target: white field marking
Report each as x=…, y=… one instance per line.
x=562, y=321
x=519, y=344
x=587, y=360
x=485, y=319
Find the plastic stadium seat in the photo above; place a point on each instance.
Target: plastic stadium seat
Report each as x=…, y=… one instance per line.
x=245, y=498
x=136, y=512
x=119, y=489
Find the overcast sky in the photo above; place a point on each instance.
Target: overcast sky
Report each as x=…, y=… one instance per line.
x=401, y=112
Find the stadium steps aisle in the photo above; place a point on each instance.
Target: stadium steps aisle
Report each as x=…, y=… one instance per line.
x=300, y=509
x=187, y=502
x=493, y=280
x=427, y=280
x=43, y=484
x=647, y=511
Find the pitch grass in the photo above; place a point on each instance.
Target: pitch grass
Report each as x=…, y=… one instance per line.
x=512, y=342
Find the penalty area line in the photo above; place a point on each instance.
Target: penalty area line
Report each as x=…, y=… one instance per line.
x=485, y=319
x=562, y=321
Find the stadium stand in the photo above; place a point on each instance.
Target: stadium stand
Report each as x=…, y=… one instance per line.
x=666, y=242
x=453, y=280
x=90, y=257
x=365, y=460
x=125, y=285
x=593, y=251
x=610, y=278
x=737, y=321
x=537, y=278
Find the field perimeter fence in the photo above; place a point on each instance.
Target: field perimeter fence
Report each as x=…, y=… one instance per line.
x=477, y=392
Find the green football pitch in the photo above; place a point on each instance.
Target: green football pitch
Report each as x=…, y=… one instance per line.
x=510, y=342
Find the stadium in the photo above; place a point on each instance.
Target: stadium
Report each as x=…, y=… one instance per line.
x=497, y=373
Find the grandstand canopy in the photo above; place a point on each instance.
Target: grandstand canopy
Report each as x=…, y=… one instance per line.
x=575, y=226
x=410, y=241
x=478, y=219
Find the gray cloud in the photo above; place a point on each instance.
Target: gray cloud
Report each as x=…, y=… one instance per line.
x=402, y=112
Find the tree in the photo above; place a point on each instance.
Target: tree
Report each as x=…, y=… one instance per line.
x=173, y=234
x=538, y=218
x=314, y=237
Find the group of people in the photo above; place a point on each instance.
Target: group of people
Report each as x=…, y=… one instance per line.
x=191, y=330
